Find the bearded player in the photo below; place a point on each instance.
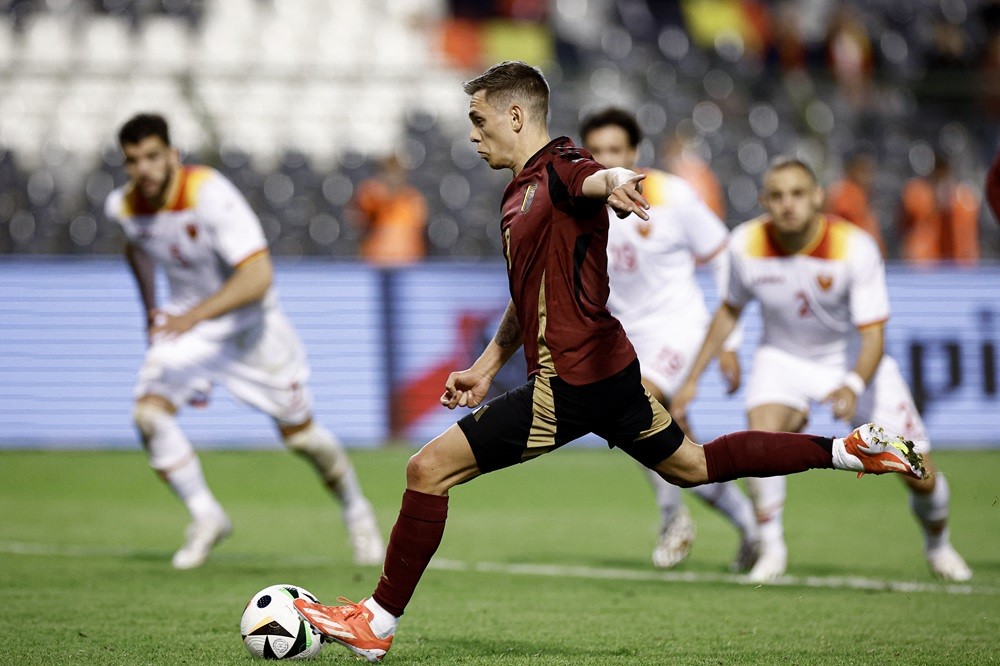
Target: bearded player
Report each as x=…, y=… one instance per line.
x=221, y=325
x=819, y=280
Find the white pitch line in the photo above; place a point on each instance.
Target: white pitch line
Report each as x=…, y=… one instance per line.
x=547, y=570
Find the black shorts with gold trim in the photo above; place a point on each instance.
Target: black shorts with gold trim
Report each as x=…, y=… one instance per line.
x=546, y=412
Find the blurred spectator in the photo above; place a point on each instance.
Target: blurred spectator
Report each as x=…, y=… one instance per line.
x=993, y=186
x=848, y=197
x=392, y=216
x=850, y=54
x=788, y=47
x=681, y=160
x=940, y=217
x=989, y=77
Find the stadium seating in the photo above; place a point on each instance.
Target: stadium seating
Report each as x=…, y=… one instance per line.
x=296, y=100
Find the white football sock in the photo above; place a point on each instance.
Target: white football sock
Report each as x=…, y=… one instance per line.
x=174, y=459
x=383, y=622
x=931, y=510
x=729, y=500
x=668, y=496
x=188, y=482
x=325, y=452
x=768, y=495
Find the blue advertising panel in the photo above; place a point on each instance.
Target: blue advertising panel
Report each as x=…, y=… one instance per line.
x=381, y=344
x=944, y=332
x=72, y=340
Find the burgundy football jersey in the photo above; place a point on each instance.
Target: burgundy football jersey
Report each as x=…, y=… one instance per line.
x=555, y=243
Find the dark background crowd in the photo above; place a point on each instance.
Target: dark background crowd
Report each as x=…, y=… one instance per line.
x=344, y=122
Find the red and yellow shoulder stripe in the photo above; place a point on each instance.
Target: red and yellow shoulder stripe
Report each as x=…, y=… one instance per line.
x=187, y=188
x=183, y=194
x=831, y=240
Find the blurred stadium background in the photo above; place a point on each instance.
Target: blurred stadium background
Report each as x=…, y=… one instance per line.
x=297, y=101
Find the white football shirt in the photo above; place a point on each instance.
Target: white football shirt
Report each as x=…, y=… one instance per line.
x=810, y=300
x=651, y=263
x=200, y=236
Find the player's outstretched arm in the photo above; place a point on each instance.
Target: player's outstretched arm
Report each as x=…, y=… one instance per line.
x=248, y=284
x=621, y=188
x=722, y=325
x=468, y=388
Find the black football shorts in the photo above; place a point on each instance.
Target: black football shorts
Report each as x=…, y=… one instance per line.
x=546, y=412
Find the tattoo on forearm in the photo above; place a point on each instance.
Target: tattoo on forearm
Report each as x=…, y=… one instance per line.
x=509, y=331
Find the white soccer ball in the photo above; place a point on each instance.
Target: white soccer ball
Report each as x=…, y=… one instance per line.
x=271, y=628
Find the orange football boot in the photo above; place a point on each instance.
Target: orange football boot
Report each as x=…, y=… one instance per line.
x=349, y=625
x=870, y=450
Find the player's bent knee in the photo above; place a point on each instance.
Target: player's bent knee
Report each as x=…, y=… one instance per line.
x=423, y=472
x=147, y=414
x=442, y=464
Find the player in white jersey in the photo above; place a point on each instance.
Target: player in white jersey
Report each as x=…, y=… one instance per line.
x=818, y=279
x=221, y=325
x=655, y=295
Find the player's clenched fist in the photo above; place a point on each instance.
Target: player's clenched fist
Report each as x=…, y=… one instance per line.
x=465, y=388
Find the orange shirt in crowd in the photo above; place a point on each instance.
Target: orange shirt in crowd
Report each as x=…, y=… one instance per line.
x=940, y=223
x=394, y=219
x=848, y=199
x=699, y=176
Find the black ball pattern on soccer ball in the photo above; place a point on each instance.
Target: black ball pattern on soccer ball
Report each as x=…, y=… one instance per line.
x=264, y=601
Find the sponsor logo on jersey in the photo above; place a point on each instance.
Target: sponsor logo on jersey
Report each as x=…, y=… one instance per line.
x=768, y=279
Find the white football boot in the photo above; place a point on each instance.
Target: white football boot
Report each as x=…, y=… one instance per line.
x=675, y=541
x=947, y=564
x=202, y=536
x=770, y=564
x=367, y=546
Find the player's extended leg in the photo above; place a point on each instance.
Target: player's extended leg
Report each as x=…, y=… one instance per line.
x=768, y=494
x=930, y=499
x=367, y=628
x=866, y=450
x=174, y=459
x=321, y=448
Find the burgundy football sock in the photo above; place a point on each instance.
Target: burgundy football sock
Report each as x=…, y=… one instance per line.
x=414, y=538
x=759, y=453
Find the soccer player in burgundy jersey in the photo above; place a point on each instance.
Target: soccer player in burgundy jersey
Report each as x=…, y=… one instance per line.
x=993, y=186
x=583, y=372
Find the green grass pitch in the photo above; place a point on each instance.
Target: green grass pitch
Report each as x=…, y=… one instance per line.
x=547, y=563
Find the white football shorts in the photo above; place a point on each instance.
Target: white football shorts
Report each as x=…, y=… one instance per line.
x=784, y=379
x=666, y=349
x=263, y=366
